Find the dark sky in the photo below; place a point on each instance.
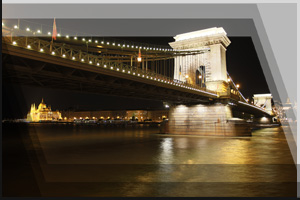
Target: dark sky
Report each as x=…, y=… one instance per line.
x=242, y=64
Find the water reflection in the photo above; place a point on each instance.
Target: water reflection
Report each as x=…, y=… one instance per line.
x=166, y=148
x=140, y=162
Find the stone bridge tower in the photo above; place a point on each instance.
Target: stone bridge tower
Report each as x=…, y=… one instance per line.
x=209, y=67
x=264, y=101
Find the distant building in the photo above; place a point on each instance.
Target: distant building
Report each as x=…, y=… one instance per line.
x=42, y=113
x=140, y=115
x=285, y=111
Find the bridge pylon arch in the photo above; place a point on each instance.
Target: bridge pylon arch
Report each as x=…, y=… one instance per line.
x=215, y=40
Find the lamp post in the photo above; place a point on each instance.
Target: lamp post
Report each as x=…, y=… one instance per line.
x=200, y=77
x=139, y=58
x=187, y=78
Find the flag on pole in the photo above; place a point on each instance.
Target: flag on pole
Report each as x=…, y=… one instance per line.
x=54, y=32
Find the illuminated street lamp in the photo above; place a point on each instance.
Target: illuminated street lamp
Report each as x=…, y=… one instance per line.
x=237, y=85
x=139, y=58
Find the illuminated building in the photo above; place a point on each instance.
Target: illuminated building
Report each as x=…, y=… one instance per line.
x=140, y=115
x=42, y=113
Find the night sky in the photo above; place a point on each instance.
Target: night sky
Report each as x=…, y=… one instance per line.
x=242, y=64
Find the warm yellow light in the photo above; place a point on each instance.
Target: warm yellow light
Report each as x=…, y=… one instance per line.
x=139, y=59
x=237, y=85
x=200, y=76
x=228, y=80
x=186, y=76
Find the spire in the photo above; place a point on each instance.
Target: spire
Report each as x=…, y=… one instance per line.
x=42, y=100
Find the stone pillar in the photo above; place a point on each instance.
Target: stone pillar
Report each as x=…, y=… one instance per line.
x=208, y=120
x=218, y=77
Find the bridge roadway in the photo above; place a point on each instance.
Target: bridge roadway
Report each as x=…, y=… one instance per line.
x=31, y=61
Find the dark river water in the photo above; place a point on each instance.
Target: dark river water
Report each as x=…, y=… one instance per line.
x=90, y=161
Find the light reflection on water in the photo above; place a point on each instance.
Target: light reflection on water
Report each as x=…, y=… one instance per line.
x=142, y=163
x=166, y=148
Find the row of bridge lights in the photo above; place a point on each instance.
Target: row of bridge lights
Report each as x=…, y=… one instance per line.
x=237, y=86
x=102, y=42
x=129, y=72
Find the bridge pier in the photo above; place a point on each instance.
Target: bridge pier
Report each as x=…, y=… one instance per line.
x=206, y=120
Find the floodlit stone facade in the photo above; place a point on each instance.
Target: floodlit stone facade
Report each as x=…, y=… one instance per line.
x=42, y=113
x=211, y=64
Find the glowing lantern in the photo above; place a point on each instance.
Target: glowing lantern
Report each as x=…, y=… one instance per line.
x=139, y=58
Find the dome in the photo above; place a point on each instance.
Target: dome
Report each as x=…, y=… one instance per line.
x=42, y=105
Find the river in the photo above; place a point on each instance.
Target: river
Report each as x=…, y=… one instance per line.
x=91, y=161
